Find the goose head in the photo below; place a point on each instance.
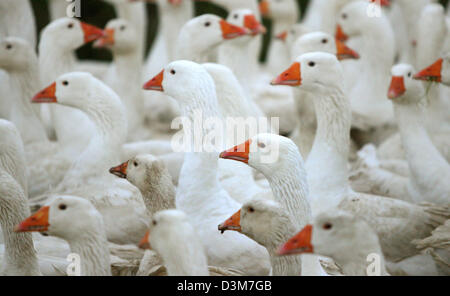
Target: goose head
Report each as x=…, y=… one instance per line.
x=336, y=234
x=206, y=32
x=69, y=33
x=404, y=89
x=246, y=18
x=279, y=10
x=322, y=42
x=267, y=153
x=180, y=79
x=439, y=71
x=140, y=170
x=314, y=72
x=118, y=36
x=16, y=54
x=66, y=217
x=259, y=219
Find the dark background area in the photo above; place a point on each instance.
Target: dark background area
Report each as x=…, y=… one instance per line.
x=98, y=12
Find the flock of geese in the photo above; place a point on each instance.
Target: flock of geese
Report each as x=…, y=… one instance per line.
x=360, y=184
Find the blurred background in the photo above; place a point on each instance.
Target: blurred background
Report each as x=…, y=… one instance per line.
x=98, y=12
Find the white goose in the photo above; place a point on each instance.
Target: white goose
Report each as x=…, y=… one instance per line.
x=58, y=41
x=167, y=229
x=88, y=177
x=321, y=74
x=75, y=220
x=46, y=166
x=349, y=241
x=202, y=198
x=267, y=223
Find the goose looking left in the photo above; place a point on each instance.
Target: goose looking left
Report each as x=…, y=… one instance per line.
x=349, y=241
x=46, y=165
x=124, y=75
x=321, y=74
x=75, y=220
x=88, y=176
x=267, y=223
x=199, y=193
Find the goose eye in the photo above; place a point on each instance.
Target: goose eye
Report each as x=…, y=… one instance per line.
x=251, y=210
x=70, y=26
x=207, y=24
x=344, y=16
x=9, y=46
x=172, y=72
x=311, y=64
x=65, y=83
x=122, y=28
x=135, y=164
x=261, y=145
x=293, y=32
x=327, y=226
x=409, y=74
x=324, y=41
x=236, y=16
x=154, y=223
x=62, y=207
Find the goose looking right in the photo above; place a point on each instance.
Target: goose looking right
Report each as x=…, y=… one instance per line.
x=267, y=223
x=199, y=193
x=368, y=78
x=88, y=176
x=349, y=241
x=58, y=42
x=321, y=74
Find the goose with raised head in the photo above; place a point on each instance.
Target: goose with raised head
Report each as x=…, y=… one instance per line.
x=349, y=241
x=167, y=229
x=408, y=96
x=46, y=166
x=202, y=198
x=284, y=14
x=280, y=161
x=321, y=74
x=150, y=175
x=267, y=223
x=58, y=42
x=368, y=78
x=88, y=176
x=124, y=75
x=75, y=220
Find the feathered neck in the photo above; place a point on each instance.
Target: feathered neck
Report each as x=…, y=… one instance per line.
x=159, y=191
x=92, y=247
x=24, y=114
x=20, y=255
x=327, y=161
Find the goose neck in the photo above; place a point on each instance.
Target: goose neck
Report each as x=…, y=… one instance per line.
x=54, y=60
x=159, y=193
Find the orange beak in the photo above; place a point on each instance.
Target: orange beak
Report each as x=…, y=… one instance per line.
x=397, y=87
x=36, y=222
x=291, y=77
x=340, y=35
x=175, y=2
x=107, y=39
x=230, y=31
x=264, y=8
x=91, y=32
x=299, y=243
x=145, y=243
x=432, y=73
x=232, y=223
x=345, y=52
x=156, y=82
x=382, y=2
x=238, y=153
x=251, y=23
x=120, y=170
x=282, y=36
x=46, y=95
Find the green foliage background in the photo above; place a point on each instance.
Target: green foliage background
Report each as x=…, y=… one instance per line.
x=98, y=12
